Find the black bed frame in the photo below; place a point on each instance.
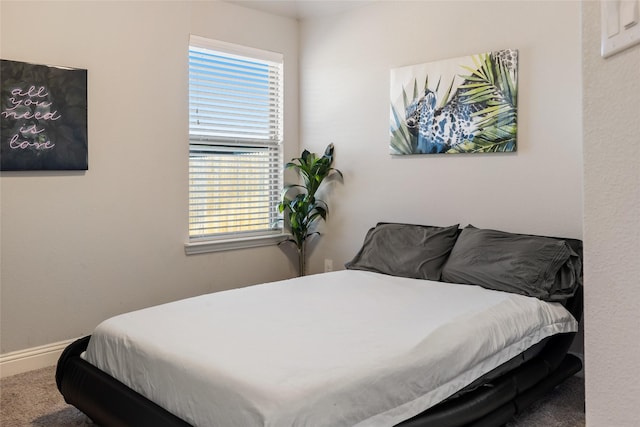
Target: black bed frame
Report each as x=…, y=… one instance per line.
x=108, y=402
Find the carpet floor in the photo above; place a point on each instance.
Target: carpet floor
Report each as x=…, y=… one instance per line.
x=31, y=399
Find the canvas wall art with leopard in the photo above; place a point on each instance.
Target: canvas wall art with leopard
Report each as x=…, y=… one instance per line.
x=459, y=105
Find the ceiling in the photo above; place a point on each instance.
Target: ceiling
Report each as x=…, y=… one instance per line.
x=301, y=9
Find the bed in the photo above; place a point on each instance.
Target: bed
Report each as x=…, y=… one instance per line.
x=426, y=326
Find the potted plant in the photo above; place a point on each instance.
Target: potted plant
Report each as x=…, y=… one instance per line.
x=299, y=203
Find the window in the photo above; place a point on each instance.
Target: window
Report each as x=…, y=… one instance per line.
x=235, y=145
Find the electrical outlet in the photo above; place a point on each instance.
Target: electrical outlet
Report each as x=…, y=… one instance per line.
x=328, y=265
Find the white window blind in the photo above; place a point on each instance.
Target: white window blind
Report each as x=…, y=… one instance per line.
x=235, y=140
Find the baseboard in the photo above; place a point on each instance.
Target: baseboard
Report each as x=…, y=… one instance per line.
x=30, y=359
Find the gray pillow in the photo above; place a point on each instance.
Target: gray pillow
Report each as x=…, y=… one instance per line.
x=416, y=251
x=537, y=266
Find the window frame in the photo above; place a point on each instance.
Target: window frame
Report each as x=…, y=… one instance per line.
x=245, y=239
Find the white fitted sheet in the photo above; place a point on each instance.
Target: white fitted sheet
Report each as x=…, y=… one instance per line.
x=336, y=349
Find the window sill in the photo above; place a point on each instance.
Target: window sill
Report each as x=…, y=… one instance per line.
x=201, y=247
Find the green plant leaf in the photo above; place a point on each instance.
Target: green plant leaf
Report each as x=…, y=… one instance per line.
x=302, y=210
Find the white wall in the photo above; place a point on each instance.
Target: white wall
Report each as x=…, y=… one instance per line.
x=345, y=77
x=611, y=229
x=79, y=247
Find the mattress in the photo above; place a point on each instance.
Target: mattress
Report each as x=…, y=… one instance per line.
x=336, y=349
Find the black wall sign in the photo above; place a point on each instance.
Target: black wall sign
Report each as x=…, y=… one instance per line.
x=43, y=117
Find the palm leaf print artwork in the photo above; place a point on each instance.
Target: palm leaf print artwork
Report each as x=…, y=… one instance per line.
x=461, y=105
